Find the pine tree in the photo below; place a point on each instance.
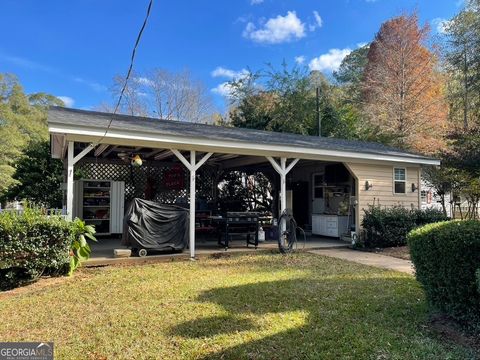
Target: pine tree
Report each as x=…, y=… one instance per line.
x=403, y=93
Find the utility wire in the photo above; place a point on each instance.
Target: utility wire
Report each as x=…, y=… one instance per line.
x=132, y=59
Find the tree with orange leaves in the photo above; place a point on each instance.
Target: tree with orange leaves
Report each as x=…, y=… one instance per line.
x=403, y=92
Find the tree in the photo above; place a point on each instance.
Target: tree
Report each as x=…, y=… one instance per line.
x=351, y=72
x=38, y=177
x=22, y=119
x=463, y=65
x=463, y=156
x=403, y=93
x=285, y=101
x=242, y=191
x=165, y=95
x=444, y=180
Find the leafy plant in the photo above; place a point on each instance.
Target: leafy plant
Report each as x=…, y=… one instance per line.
x=33, y=244
x=80, y=250
x=389, y=227
x=447, y=259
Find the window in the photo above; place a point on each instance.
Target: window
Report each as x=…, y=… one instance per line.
x=423, y=196
x=400, y=180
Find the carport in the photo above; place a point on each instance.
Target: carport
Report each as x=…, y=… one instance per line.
x=97, y=143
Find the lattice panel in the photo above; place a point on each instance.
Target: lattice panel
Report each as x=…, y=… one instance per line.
x=136, y=180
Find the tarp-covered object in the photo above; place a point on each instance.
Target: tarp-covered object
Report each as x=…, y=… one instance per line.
x=151, y=225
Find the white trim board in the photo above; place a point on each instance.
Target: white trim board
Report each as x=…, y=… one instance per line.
x=119, y=137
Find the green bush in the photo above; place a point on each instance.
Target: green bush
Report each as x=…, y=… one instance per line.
x=447, y=258
x=389, y=227
x=478, y=280
x=32, y=245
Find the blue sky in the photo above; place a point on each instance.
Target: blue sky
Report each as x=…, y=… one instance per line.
x=73, y=49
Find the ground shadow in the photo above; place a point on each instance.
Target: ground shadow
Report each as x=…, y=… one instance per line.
x=342, y=315
x=213, y=325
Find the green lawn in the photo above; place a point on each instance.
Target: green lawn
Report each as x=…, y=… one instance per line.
x=252, y=307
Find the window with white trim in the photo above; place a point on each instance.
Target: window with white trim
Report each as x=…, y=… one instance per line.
x=400, y=180
x=423, y=196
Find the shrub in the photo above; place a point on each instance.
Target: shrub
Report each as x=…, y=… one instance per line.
x=447, y=258
x=389, y=227
x=32, y=244
x=478, y=280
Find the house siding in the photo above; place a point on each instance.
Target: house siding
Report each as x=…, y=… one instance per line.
x=382, y=191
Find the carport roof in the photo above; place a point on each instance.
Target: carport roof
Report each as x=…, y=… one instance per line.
x=82, y=122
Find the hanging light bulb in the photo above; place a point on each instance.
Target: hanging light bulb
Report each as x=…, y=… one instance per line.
x=137, y=161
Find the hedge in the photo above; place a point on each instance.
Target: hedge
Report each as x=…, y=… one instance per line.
x=446, y=256
x=390, y=226
x=31, y=245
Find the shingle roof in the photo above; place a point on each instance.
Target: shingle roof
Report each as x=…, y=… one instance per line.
x=84, y=118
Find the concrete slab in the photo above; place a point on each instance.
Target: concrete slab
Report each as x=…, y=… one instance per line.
x=366, y=258
x=102, y=251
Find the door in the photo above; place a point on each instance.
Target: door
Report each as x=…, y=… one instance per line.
x=300, y=202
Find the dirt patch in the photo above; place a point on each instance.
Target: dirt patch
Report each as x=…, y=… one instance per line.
x=400, y=252
x=449, y=330
x=43, y=283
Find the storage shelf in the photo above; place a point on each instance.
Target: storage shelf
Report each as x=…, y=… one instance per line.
x=97, y=206
x=97, y=187
x=96, y=197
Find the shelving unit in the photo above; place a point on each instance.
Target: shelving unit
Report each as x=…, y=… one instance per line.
x=101, y=203
x=96, y=203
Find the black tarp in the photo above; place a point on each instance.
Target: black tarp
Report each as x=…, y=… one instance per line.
x=155, y=226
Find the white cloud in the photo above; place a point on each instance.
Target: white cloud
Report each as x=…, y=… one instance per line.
x=330, y=61
x=224, y=89
x=440, y=25
x=68, y=101
x=228, y=73
x=93, y=85
x=255, y=2
x=276, y=30
x=300, y=59
x=143, y=81
x=318, y=22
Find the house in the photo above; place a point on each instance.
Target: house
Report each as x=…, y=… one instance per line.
x=326, y=182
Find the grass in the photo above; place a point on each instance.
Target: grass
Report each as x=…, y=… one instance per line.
x=241, y=307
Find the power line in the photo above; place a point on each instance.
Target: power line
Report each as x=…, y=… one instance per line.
x=132, y=59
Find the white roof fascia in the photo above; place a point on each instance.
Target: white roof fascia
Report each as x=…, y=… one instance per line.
x=133, y=138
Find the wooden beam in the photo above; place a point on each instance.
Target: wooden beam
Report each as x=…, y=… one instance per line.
x=109, y=151
x=163, y=155
x=82, y=153
x=100, y=149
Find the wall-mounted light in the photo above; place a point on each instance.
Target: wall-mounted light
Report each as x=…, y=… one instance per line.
x=414, y=187
x=368, y=185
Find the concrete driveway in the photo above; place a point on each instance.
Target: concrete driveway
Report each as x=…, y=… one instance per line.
x=367, y=258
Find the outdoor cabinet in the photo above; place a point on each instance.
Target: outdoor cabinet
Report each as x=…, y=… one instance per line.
x=329, y=225
x=100, y=203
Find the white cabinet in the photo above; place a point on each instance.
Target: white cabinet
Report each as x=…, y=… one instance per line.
x=100, y=203
x=329, y=225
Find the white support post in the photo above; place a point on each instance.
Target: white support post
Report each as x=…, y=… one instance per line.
x=71, y=161
x=192, y=166
x=70, y=165
x=282, y=170
x=193, y=176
